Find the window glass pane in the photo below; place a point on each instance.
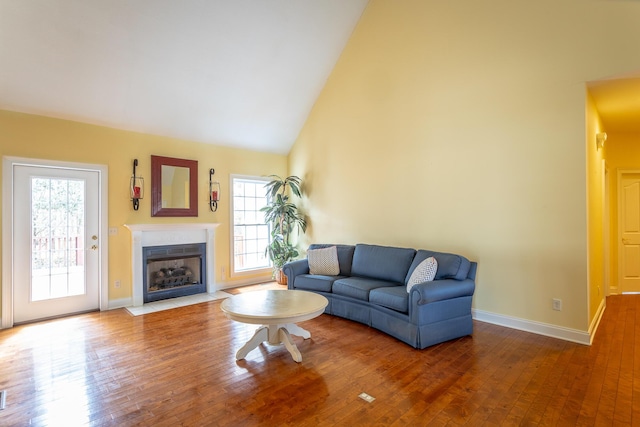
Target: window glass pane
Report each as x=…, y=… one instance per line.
x=252, y=246
x=238, y=203
x=261, y=202
x=57, y=238
x=263, y=232
x=238, y=189
x=251, y=261
x=250, y=217
x=252, y=232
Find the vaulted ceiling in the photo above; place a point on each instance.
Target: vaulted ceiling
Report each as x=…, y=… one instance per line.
x=242, y=73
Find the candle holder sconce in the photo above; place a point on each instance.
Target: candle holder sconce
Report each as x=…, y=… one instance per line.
x=136, y=189
x=214, y=191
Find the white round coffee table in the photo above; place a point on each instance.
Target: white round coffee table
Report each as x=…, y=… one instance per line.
x=277, y=311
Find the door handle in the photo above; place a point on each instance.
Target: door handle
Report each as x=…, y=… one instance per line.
x=625, y=241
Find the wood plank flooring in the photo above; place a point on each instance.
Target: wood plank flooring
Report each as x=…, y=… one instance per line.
x=177, y=367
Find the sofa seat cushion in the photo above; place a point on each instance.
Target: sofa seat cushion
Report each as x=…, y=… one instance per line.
x=358, y=287
x=393, y=297
x=314, y=282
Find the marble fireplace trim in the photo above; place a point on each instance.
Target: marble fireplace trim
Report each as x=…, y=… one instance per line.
x=144, y=235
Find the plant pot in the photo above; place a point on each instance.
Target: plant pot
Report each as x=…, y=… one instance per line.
x=281, y=278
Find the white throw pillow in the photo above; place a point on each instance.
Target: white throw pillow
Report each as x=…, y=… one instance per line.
x=424, y=272
x=324, y=261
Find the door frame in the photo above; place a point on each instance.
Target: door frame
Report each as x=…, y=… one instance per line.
x=8, y=165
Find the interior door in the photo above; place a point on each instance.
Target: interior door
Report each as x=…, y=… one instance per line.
x=629, y=233
x=55, y=242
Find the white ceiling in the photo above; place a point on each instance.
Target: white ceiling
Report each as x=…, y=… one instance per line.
x=242, y=73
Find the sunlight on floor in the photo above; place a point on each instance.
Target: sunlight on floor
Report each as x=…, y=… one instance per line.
x=63, y=393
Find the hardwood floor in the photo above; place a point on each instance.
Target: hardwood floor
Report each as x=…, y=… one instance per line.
x=177, y=367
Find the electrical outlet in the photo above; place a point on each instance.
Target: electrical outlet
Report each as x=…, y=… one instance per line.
x=223, y=272
x=113, y=231
x=116, y=284
x=366, y=397
x=557, y=304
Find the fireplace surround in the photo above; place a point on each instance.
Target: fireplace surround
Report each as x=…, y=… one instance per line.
x=158, y=235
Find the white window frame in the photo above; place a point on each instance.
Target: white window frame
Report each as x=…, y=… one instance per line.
x=256, y=271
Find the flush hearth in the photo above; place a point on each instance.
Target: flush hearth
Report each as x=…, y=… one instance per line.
x=173, y=271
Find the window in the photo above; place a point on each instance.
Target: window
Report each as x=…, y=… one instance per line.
x=250, y=233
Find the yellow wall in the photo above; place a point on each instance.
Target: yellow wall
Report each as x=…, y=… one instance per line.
x=460, y=126
x=23, y=135
x=622, y=152
x=595, y=212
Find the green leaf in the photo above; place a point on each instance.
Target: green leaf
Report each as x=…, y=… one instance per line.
x=284, y=217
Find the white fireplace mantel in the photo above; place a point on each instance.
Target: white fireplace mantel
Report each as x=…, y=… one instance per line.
x=145, y=235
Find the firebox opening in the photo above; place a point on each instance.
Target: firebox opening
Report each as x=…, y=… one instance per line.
x=173, y=271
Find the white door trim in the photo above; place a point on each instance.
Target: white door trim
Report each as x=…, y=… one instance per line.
x=8, y=164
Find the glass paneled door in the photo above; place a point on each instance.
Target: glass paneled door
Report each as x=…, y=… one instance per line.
x=56, y=244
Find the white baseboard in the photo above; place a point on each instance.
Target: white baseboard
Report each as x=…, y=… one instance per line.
x=540, y=328
x=120, y=303
x=596, y=319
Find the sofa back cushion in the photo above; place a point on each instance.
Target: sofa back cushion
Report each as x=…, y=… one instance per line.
x=382, y=262
x=345, y=256
x=450, y=266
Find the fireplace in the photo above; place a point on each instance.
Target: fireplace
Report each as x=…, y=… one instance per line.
x=159, y=236
x=173, y=271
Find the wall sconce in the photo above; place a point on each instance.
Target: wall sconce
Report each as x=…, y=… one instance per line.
x=214, y=191
x=600, y=139
x=136, y=189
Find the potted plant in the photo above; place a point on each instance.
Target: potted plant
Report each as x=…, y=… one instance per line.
x=284, y=217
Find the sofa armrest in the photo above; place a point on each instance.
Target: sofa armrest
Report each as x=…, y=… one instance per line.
x=439, y=290
x=295, y=268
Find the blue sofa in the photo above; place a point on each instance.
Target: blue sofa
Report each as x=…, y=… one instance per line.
x=371, y=289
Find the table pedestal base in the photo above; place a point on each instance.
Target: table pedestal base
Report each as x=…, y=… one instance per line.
x=275, y=335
